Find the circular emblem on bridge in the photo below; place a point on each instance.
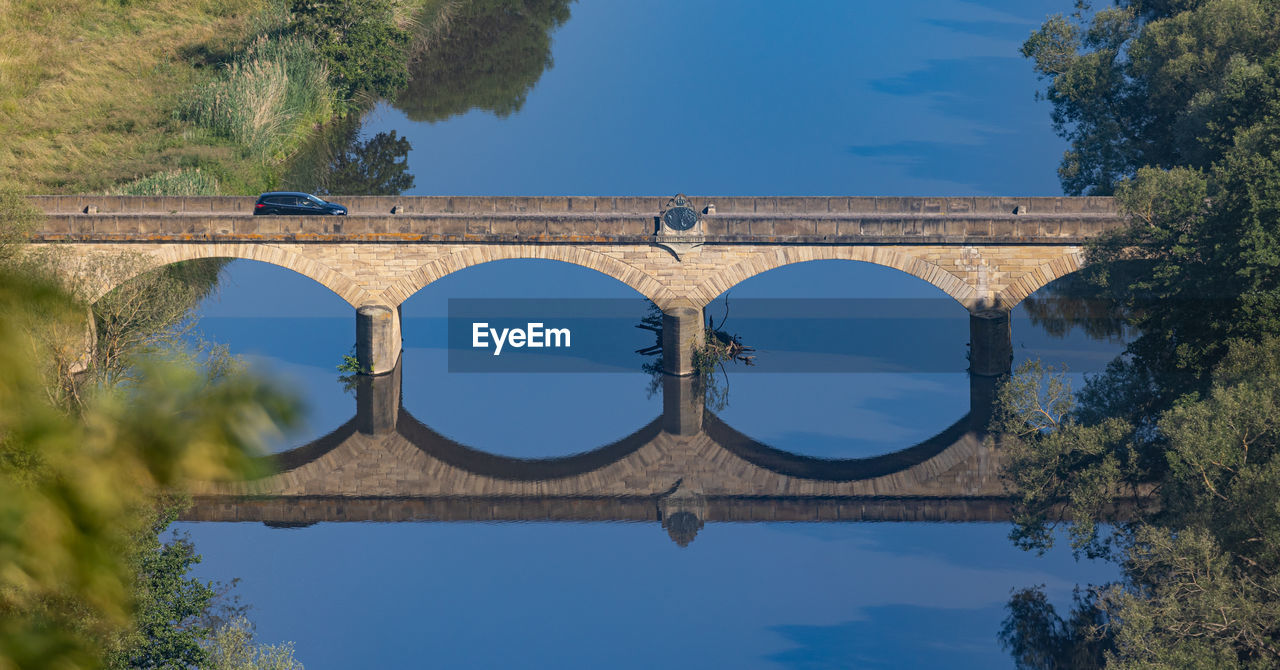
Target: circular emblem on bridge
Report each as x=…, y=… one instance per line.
x=679, y=214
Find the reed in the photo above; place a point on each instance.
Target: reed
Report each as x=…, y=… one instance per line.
x=185, y=181
x=268, y=99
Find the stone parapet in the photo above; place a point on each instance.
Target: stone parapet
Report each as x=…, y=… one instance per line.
x=648, y=206
x=609, y=228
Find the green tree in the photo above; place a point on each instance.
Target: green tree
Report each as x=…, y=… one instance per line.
x=482, y=54
x=1175, y=107
x=1159, y=84
x=361, y=40
x=168, y=605
x=232, y=647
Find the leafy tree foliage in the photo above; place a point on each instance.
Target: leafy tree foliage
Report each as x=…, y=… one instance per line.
x=484, y=54
x=1156, y=84
x=232, y=648
x=361, y=40
x=1174, y=106
x=167, y=604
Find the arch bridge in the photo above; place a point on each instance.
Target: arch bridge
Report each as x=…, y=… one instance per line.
x=987, y=253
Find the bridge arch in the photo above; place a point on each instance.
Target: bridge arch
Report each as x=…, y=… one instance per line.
x=340, y=284
x=948, y=283
x=1029, y=283
x=460, y=260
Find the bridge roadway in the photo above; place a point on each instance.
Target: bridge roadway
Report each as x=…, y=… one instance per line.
x=683, y=469
x=987, y=253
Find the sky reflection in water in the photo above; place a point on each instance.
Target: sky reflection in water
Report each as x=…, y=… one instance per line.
x=654, y=98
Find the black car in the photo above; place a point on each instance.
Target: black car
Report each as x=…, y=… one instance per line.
x=289, y=202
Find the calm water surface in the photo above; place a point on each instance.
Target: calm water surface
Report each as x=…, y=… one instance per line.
x=727, y=98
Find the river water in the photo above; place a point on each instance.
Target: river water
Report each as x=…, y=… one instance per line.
x=601, y=98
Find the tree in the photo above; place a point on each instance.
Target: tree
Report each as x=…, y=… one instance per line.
x=362, y=42
x=232, y=648
x=1156, y=83
x=168, y=605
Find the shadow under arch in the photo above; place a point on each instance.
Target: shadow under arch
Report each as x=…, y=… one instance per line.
x=955, y=287
x=336, y=282
x=606, y=265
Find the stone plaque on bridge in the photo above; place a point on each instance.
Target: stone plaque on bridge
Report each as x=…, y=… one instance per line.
x=679, y=226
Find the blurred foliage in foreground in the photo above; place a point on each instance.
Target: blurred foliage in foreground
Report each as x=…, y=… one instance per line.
x=77, y=483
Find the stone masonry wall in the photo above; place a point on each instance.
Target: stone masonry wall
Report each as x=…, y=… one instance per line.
x=978, y=277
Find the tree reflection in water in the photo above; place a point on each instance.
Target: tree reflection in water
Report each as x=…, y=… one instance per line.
x=482, y=54
x=338, y=162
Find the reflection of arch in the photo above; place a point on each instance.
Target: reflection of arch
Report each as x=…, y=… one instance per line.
x=472, y=460
x=459, y=260
x=386, y=466
x=835, y=470
x=1034, y=280
x=338, y=283
x=724, y=280
x=916, y=464
x=487, y=464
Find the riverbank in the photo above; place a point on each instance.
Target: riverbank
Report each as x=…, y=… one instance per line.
x=167, y=98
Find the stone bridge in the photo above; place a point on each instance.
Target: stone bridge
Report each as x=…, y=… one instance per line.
x=987, y=253
x=683, y=469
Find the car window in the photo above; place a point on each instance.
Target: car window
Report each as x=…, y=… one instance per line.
x=316, y=201
x=277, y=200
x=304, y=201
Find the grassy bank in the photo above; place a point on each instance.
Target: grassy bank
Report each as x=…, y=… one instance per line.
x=87, y=87
x=124, y=96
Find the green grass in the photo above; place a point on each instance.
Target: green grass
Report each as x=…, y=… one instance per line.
x=87, y=87
x=110, y=96
x=184, y=181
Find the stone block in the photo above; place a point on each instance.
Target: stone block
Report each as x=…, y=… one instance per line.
x=531, y=227
x=792, y=227
x=801, y=205
x=895, y=205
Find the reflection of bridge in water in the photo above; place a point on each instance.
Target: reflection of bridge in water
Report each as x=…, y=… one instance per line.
x=683, y=469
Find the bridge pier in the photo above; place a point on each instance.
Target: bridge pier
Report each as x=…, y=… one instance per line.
x=89, y=351
x=682, y=333
x=377, y=338
x=378, y=402
x=990, y=343
x=982, y=397
x=682, y=402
